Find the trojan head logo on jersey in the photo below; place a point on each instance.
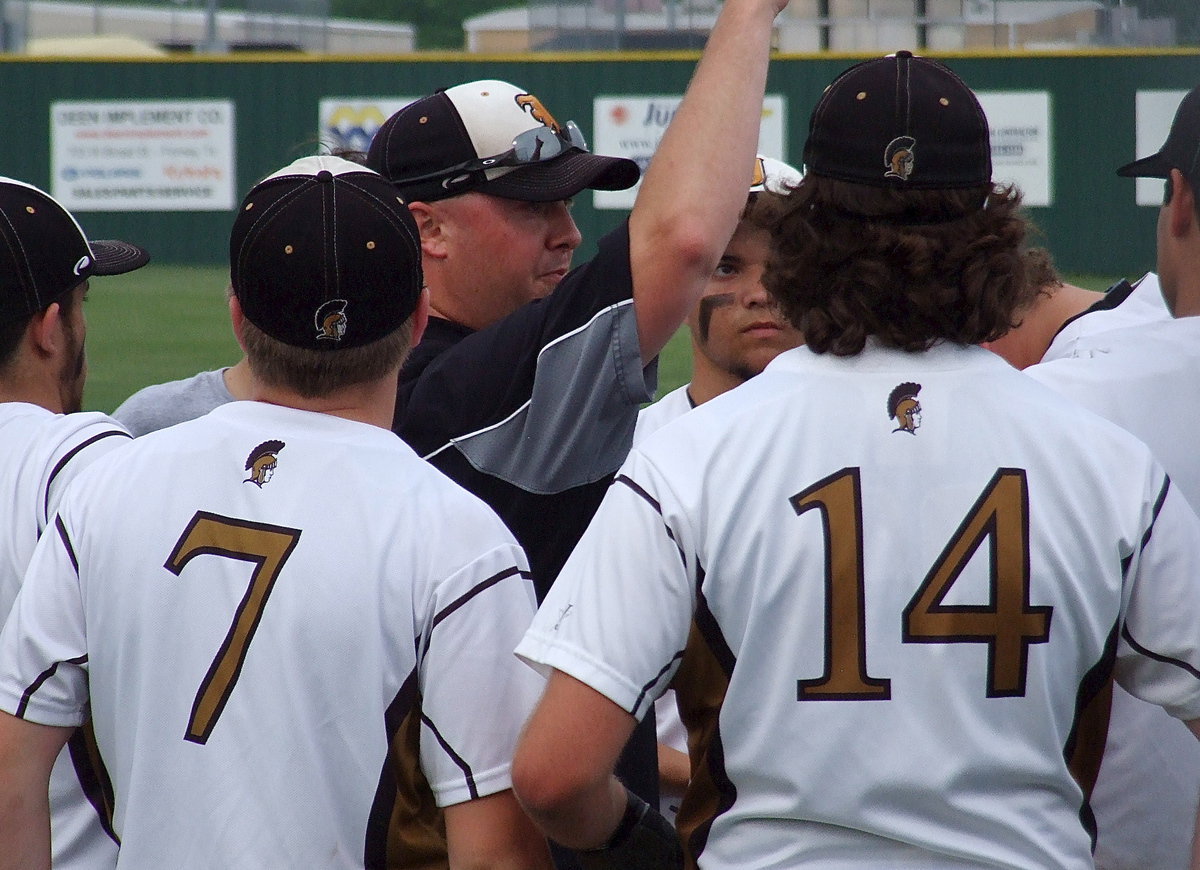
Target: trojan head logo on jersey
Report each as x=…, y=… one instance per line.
x=904, y=408
x=331, y=320
x=899, y=158
x=539, y=113
x=262, y=461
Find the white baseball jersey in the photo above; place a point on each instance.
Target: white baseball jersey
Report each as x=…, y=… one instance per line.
x=885, y=589
x=653, y=417
x=43, y=452
x=1144, y=378
x=1123, y=305
x=296, y=636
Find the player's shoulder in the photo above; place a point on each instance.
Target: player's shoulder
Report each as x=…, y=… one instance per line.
x=56, y=434
x=654, y=416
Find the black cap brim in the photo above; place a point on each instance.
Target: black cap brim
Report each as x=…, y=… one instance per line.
x=564, y=177
x=112, y=257
x=1154, y=166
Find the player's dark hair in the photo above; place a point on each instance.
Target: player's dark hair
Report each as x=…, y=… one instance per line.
x=314, y=373
x=12, y=331
x=850, y=261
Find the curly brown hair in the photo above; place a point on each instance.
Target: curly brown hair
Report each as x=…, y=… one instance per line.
x=910, y=268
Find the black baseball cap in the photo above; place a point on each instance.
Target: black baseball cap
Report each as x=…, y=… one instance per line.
x=1181, y=150
x=494, y=137
x=900, y=121
x=44, y=253
x=325, y=255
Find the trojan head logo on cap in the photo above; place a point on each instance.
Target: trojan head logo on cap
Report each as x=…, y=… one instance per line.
x=539, y=113
x=899, y=158
x=331, y=320
x=262, y=461
x=904, y=408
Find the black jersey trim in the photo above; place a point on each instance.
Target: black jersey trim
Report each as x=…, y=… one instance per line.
x=1113, y=296
x=461, y=762
x=1167, y=660
x=93, y=776
x=1094, y=682
x=71, y=454
x=61, y=527
x=650, y=500
x=1155, y=511
x=41, y=679
x=482, y=586
x=654, y=680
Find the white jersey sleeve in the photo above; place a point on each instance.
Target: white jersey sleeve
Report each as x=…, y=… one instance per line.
x=627, y=644
x=44, y=644
x=1158, y=657
x=475, y=701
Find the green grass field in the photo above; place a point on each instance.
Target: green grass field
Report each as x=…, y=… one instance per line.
x=167, y=322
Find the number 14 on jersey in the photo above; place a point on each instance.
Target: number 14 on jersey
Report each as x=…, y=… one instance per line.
x=1007, y=622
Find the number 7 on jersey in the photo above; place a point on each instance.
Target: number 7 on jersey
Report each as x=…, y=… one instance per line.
x=267, y=548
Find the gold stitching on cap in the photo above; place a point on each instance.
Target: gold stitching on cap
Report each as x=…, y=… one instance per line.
x=370, y=246
x=862, y=95
x=31, y=209
x=249, y=206
x=424, y=119
x=287, y=249
x=944, y=101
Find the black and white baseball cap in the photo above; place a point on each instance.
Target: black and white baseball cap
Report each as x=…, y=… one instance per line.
x=493, y=137
x=774, y=176
x=44, y=253
x=1181, y=150
x=900, y=121
x=325, y=255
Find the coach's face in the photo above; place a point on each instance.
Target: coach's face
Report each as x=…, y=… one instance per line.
x=507, y=251
x=737, y=326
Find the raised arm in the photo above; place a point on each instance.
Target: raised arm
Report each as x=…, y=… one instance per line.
x=695, y=187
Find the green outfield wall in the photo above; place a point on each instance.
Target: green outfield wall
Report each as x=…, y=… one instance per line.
x=1090, y=102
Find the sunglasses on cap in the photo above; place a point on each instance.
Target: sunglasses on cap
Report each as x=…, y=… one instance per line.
x=530, y=147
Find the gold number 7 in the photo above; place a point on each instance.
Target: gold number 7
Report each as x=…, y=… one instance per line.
x=267, y=548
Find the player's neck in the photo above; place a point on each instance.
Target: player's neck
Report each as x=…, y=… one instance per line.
x=238, y=379
x=26, y=381
x=373, y=402
x=708, y=381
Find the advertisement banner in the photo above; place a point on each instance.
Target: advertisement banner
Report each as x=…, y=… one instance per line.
x=350, y=123
x=1020, y=129
x=632, y=127
x=170, y=155
x=1153, y=112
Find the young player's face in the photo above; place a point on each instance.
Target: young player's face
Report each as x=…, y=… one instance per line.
x=510, y=252
x=737, y=326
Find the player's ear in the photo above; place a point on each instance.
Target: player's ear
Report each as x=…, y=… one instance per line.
x=430, y=221
x=238, y=318
x=45, y=330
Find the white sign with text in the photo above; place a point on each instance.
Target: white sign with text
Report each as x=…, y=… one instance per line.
x=169, y=155
x=1019, y=122
x=633, y=126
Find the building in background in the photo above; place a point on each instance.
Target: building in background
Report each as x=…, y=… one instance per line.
x=39, y=26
